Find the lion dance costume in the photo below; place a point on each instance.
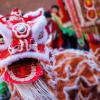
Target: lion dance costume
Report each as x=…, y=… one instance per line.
x=35, y=72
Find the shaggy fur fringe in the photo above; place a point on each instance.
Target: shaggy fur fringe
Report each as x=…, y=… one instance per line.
x=35, y=91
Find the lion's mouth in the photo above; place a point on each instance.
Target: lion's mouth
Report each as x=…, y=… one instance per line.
x=23, y=71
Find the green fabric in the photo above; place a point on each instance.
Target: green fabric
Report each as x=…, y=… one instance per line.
x=84, y=36
x=81, y=42
x=65, y=30
x=3, y=88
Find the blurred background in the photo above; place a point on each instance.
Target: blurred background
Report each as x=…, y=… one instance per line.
x=24, y=5
x=71, y=25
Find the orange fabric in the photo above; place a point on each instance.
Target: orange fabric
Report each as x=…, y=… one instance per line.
x=67, y=74
x=73, y=73
x=2, y=70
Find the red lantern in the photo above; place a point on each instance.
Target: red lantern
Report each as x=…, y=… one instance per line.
x=88, y=3
x=91, y=14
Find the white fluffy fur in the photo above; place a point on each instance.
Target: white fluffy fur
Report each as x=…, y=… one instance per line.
x=1, y=15
x=9, y=60
x=34, y=13
x=6, y=33
x=35, y=91
x=1, y=79
x=38, y=27
x=49, y=39
x=44, y=39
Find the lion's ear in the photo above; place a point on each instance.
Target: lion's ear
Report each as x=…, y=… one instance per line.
x=41, y=10
x=38, y=29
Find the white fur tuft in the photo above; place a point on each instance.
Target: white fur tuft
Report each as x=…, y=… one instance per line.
x=9, y=60
x=35, y=91
x=38, y=27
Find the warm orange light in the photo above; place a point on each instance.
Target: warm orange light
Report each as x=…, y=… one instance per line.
x=92, y=13
x=98, y=13
x=89, y=3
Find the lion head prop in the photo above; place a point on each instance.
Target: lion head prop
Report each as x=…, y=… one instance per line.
x=37, y=72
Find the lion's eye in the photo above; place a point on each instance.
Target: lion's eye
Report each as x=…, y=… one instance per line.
x=1, y=39
x=40, y=35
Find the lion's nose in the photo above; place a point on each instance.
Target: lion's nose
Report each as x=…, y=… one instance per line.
x=21, y=29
